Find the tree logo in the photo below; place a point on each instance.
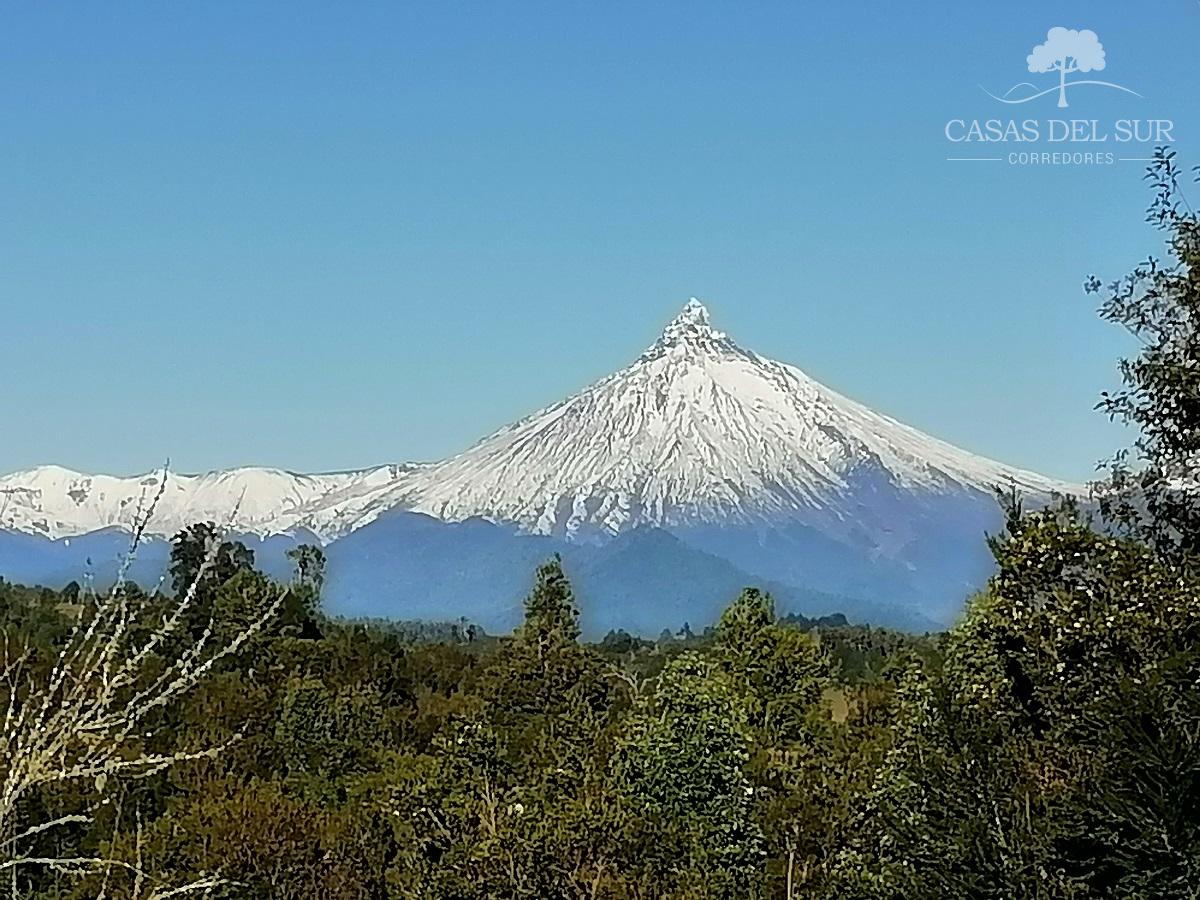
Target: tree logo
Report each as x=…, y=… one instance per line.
x=1065, y=52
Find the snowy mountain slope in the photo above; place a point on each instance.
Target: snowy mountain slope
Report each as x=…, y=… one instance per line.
x=696, y=430
x=55, y=502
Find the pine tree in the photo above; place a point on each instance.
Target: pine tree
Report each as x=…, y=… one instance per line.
x=551, y=617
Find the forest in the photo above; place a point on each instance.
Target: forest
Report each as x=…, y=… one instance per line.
x=222, y=736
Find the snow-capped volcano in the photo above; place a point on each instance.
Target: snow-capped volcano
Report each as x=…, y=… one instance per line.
x=696, y=430
x=698, y=467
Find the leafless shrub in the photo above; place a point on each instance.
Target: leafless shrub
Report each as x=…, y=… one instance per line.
x=82, y=718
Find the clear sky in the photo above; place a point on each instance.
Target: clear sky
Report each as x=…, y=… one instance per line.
x=323, y=236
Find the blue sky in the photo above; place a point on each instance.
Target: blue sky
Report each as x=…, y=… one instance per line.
x=323, y=236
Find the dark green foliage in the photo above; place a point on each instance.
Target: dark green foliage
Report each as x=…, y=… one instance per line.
x=550, y=613
x=1054, y=753
x=620, y=644
x=682, y=770
x=393, y=761
x=1151, y=493
x=1049, y=746
x=202, y=547
x=310, y=567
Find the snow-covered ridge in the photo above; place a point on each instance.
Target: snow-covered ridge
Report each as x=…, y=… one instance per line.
x=57, y=502
x=696, y=430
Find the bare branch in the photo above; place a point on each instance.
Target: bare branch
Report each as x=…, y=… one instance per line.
x=83, y=716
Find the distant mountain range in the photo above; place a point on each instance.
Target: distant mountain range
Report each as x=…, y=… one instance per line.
x=667, y=486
